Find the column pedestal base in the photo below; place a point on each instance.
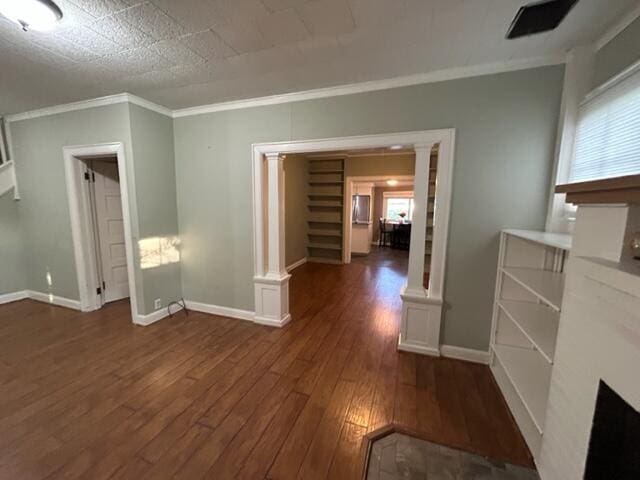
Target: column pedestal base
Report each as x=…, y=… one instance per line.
x=420, y=326
x=272, y=300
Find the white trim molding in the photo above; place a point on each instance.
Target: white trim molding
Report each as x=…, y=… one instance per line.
x=422, y=309
x=91, y=103
x=80, y=216
x=350, y=183
x=336, y=91
x=467, y=354
x=53, y=299
x=374, y=85
x=153, y=317
x=617, y=27
x=7, y=176
x=40, y=297
x=13, y=296
x=295, y=265
x=220, y=310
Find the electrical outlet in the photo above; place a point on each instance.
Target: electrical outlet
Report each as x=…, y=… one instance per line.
x=157, y=303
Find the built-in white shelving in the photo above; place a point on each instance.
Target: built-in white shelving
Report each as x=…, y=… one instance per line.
x=546, y=285
x=530, y=375
x=538, y=322
x=528, y=300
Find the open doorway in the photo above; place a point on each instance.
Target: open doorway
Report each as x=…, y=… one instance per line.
x=356, y=206
x=379, y=228
x=421, y=307
x=97, y=191
x=103, y=185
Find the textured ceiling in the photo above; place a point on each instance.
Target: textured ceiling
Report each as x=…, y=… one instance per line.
x=182, y=53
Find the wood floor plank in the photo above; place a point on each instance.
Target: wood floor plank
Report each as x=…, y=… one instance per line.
x=90, y=395
x=320, y=453
x=265, y=451
x=343, y=466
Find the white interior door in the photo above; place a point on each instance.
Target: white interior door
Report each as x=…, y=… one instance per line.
x=110, y=230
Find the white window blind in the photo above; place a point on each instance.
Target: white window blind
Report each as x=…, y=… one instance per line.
x=608, y=133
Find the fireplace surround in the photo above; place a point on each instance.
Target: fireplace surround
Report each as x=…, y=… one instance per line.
x=597, y=358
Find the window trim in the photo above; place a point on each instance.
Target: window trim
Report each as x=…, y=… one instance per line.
x=396, y=194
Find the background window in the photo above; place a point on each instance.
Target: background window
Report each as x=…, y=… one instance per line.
x=397, y=203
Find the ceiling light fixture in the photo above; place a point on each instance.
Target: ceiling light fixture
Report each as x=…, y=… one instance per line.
x=392, y=183
x=41, y=15
x=395, y=147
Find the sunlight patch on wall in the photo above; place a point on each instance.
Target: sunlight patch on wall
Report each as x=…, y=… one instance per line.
x=157, y=251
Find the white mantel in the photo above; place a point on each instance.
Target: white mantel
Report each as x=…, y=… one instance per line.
x=598, y=338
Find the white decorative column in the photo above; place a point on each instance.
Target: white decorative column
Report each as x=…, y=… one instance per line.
x=420, y=327
x=272, y=288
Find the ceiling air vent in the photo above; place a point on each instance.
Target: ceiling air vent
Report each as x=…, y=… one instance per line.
x=538, y=17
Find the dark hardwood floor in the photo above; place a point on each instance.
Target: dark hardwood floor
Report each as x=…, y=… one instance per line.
x=91, y=396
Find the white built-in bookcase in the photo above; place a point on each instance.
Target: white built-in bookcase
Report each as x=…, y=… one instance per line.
x=526, y=313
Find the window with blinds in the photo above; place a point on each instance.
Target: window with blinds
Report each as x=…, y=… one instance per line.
x=608, y=133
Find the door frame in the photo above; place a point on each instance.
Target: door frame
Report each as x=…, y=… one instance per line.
x=348, y=192
x=422, y=309
x=82, y=222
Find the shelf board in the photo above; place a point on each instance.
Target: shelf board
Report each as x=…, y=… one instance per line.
x=324, y=246
x=324, y=203
x=544, y=284
x=312, y=172
x=530, y=375
x=538, y=322
x=325, y=182
x=332, y=261
x=324, y=233
x=333, y=222
x=339, y=195
x=557, y=240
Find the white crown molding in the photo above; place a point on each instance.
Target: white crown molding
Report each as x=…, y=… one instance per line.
x=617, y=28
x=91, y=103
x=397, y=82
x=632, y=69
x=467, y=354
x=154, y=107
x=404, y=81
x=68, y=107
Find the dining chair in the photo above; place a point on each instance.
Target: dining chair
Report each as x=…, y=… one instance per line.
x=384, y=235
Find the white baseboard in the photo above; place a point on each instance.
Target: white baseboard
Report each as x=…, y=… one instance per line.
x=270, y=322
x=219, y=310
x=414, y=347
x=153, y=317
x=302, y=261
x=13, y=297
x=54, y=299
x=468, y=354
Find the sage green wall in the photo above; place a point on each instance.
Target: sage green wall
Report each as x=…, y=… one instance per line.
x=618, y=54
x=505, y=137
x=12, y=265
x=295, y=207
x=44, y=211
x=155, y=191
